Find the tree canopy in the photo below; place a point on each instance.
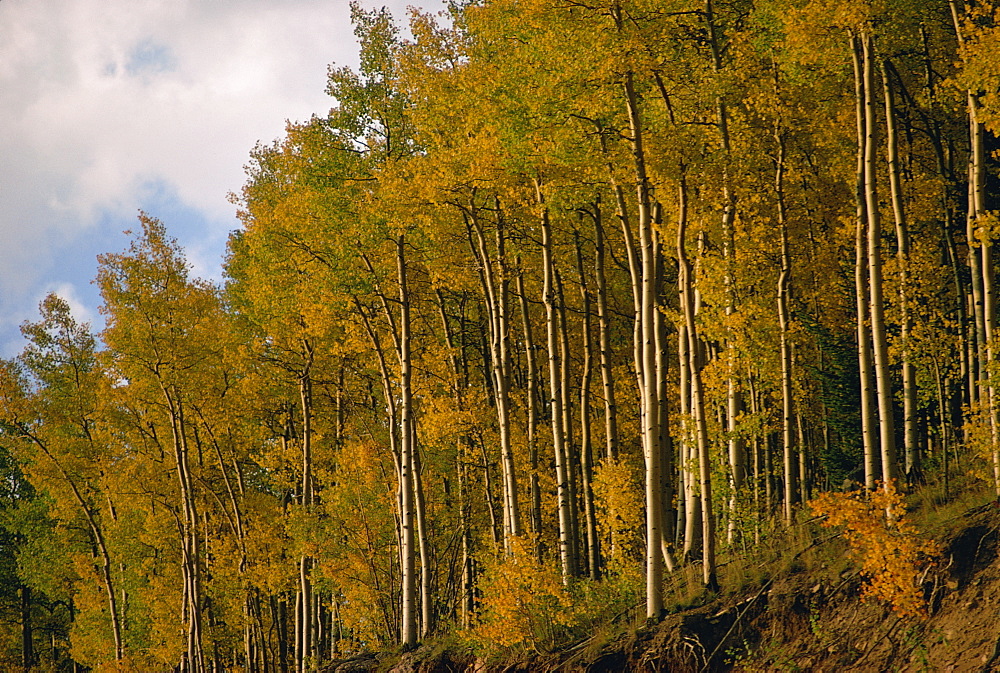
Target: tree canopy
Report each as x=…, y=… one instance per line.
x=556, y=300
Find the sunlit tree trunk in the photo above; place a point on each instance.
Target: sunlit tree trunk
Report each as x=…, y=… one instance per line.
x=648, y=390
x=303, y=621
x=190, y=547
x=407, y=463
x=737, y=457
x=785, y=349
x=903, y=260
x=686, y=281
x=861, y=278
x=604, y=337
x=880, y=349
x=495, y=290
x=664, y=443
x=573, y=461
x=532, y=407
x=555, y=394
x=423, y=546
x=586, y=444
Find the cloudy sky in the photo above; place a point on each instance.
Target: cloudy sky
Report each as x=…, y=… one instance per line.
x=112, y=106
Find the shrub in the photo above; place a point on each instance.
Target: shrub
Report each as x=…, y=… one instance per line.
x=892, y=554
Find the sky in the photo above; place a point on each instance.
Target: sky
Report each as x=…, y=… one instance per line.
x=109, y=107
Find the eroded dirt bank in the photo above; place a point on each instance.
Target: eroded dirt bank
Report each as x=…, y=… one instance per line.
x=810, y=618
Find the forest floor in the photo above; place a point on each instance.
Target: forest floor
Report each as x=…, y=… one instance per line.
x=802, y=609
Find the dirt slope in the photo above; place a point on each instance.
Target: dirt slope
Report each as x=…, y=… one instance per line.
x=798, y=621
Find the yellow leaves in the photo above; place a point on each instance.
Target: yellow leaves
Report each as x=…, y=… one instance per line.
x=620, y=501
x=524, y=601
x=987, y=227
x=980, y=52
x=893, y=555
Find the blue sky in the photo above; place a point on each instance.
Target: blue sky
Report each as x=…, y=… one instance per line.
x=109, y=107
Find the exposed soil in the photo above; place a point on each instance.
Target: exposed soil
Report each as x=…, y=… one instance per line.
x=798, y=621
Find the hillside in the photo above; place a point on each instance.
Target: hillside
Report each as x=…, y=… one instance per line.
x=566, y=318
x=806, y=615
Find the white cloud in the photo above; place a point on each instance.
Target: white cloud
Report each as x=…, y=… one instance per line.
x=102, y=98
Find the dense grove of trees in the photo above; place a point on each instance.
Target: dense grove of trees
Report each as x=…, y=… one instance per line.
x=559, y=298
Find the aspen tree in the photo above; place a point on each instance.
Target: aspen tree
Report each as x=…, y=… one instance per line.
x=567, y=562
x=573, y=462
x=664, y=443
x=604, y=338
x=902, y=260
x=686, y=282
x=466, y=603
x=785, y=351
x=407, y=452
x=415, y=603
x=532, y=394
x=146, y=293
x=650, y=404
x=887, y=436
x=980, y=258
x=495, y=290
x=861, y=281
x=586, y=444
x=303, y=621
x=737, y=458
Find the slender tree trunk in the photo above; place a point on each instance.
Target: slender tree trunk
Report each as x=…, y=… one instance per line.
x=555, y=397
x=458, y=386
x=586, y=444
x=757, y=462
x=880, y=349
x=689, y=460
x=697, y=396
x=190, y=552
x=304, y=611
x=737, y=451
x=423, y=546
x=406, y=477
x=566, y=400
x=647, y=334
x=785, y=349
x=861, y=278
x=604, y=337
x=495, y=290
x=902, y=259
x=664, y=443
x=532, y=404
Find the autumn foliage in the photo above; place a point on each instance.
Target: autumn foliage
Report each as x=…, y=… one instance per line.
x=892, y=554
x=559, y=314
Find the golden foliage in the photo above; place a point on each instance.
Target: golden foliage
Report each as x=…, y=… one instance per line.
x=892, y=554
x=524, y=601
x=619, y=497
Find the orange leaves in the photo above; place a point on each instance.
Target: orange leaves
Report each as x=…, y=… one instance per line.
x=524, y=601
x=892, y=553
